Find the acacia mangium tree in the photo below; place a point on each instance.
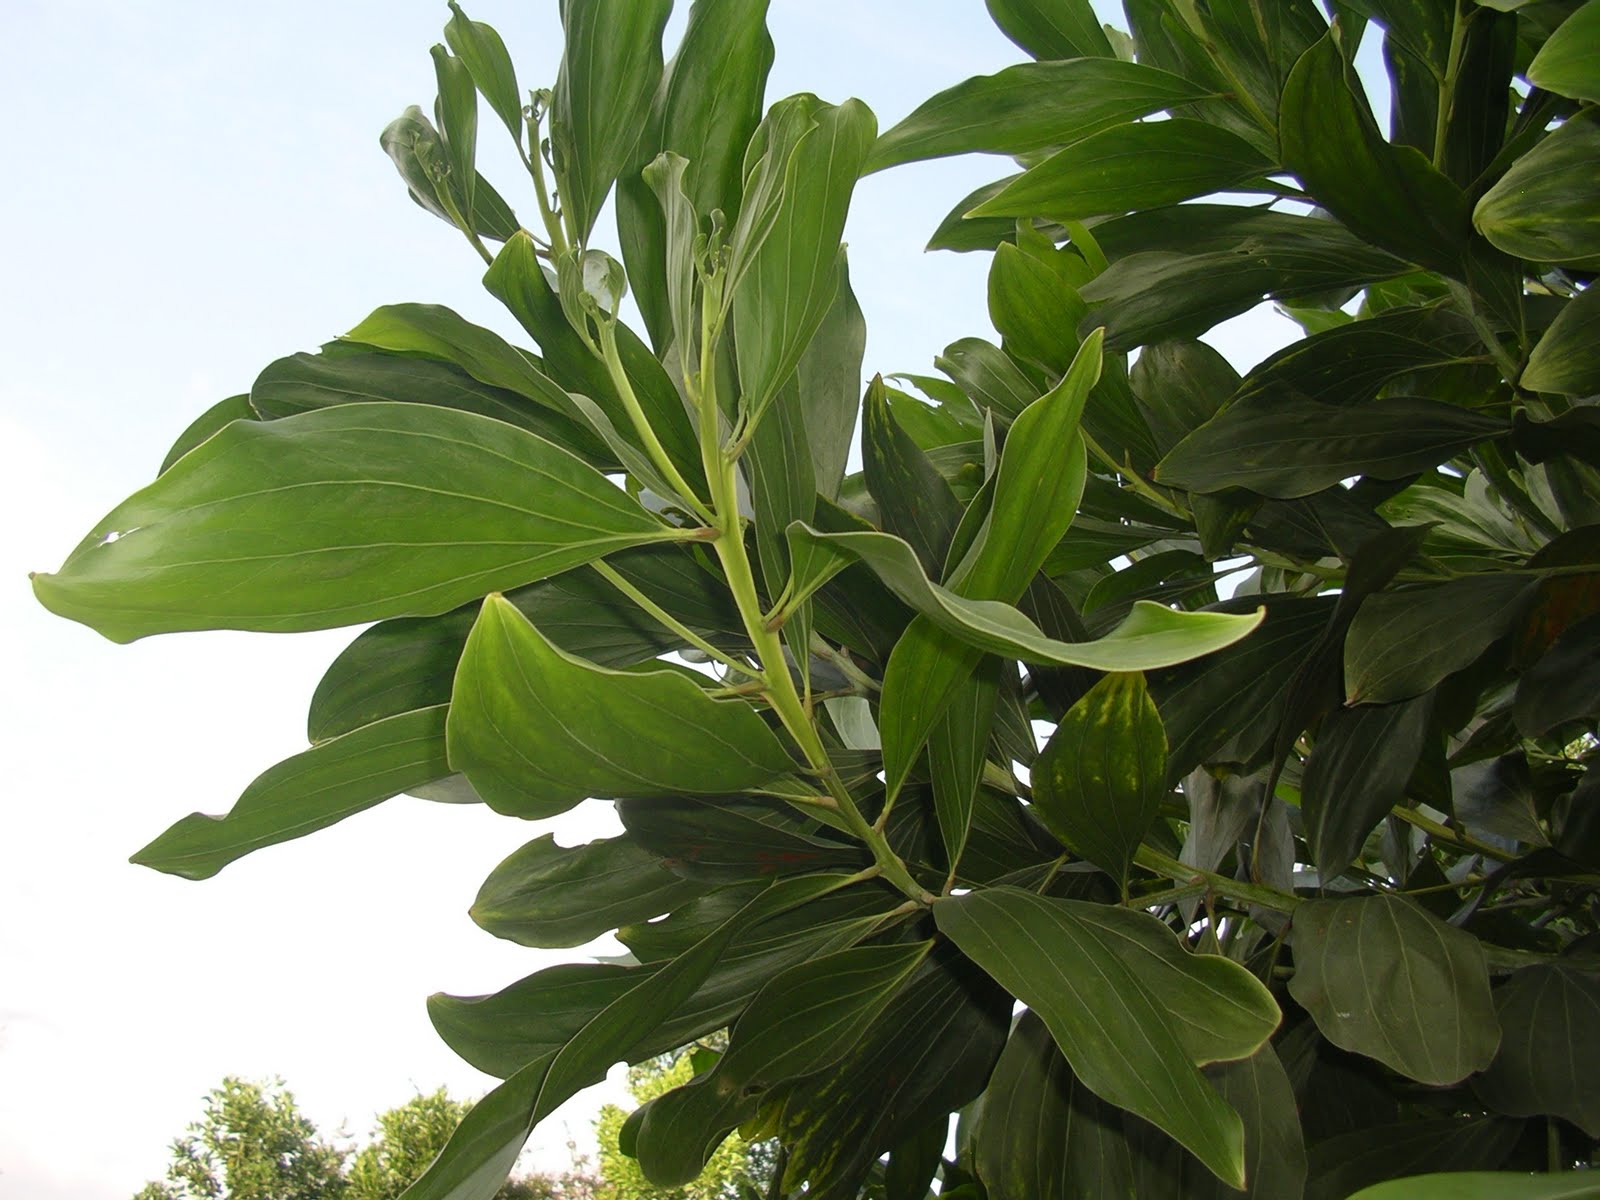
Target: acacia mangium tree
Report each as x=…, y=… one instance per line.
x=1299, y=892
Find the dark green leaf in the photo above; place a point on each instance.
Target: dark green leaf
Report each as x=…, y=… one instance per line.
x=419, y=154
x=1342, y=1164
x=1286, y=447
x=1564, y=685
x=207, y=424
x=988, y=376
x=1099, y=782
x=1483, y=1185
x=1028, y=107
x=308, y=792
x=829, y=379
x=794, y=271
x=1358, y=771
x=1043, y=1135
x=1421, y=26
x=957, y=749
x=1548, y=1056
x=480, y=49
x=915, y=502
x=537, y=730
x=1052, y=28
x=335, y=517
x=1123, y=1000
x=1545, y=208
x=1138, y=165
x=547, y=895
x=1389, y=195
x=805, y=1020
x=1402, y=643
x=731, y=840
x=1178, y=387
x=1567, y=358
x=603, y=92
x=1382, y=977
x=1566, y=62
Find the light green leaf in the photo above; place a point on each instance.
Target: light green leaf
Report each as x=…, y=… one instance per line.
x=1137, y=165
x=419, y=154
x=1389, y=195
x=1382, y=977
x=783, y=289
x=1567, y=358
x=1549, y=1057
x=208, y=424
x=1402, y=643
x=1546, y=207
x=336, y=517
x=1483, y=1185
x=607, y=80
x=1052, y=28
x=480, y=49
x=308, y=792
x=1030, y=107
x=1566, y=64
x=804, y=1021
x=1286, y=447
x=829, y=382
x=1100, y=780
x=988, y=376
x=1134, y=1012
x=550, y=896
x=457, y=107
x=537, y=730
x=1035, y=304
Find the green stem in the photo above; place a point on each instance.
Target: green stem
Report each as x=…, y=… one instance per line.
x=450, y=206
x=535, y=165
x=1132, y=477
x=652, y=444
x=616, y=580
x=1444, y=833
x=1447, y=85
x=1221, y=885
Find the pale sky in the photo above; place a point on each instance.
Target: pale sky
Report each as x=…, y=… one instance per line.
x=193, y=190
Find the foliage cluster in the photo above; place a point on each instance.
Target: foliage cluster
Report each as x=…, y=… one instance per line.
x=1299, y=892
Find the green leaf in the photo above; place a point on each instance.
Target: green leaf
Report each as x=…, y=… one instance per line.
x=353, y=374
x=607, y=80
x=537, y=730
x=1134, y=1012
x=1566, y=62
x=314, y=789
x=207, y=425
x=1563, y=685
x=336, y=517
x=1382, y=977
x=1567, y=358
x=411, y=662
x=1341, y=1164
x=1402, y=643
x=1101, y=778
x=458, y=118
x=1545, y=207
x=1389, y=195
x=805, y=1020
x=725, y=840
x=1178, y=387
x=988, y=376
x=1287, y=447
x=1035, y=306
x=829, y=380
x=547, y=895
x=419, y=154
x=1028, y=107
x=1548, y=1055
x=1046, y=29
x=784, y=287
x=484, y=55
x=929, y=1052
x=914, y=501
x=958, y=746
x=1136, y=165
x=1483, y=1185
x=484, y=1147
x=1358, y=770
x=1151, y=636
x=1042, y=1134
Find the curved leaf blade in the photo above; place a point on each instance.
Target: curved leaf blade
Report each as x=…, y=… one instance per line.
x=1545, y=207
x=1482, y=1185
x=339, y=516
x=1548, y=1055
x=1566, y=63
x=537, y=730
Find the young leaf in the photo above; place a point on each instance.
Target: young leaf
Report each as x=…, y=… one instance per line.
x=308, y=792
x=1384, y=978
x=484, y=55
x=537, y=730
x=602, y=95
x=337, y=517
x=1135, y=165
x=419, y=154
x=1123, y=1001
x=458, y=117
x=1099, y=782
x=547, y=895
x=1029, y=107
